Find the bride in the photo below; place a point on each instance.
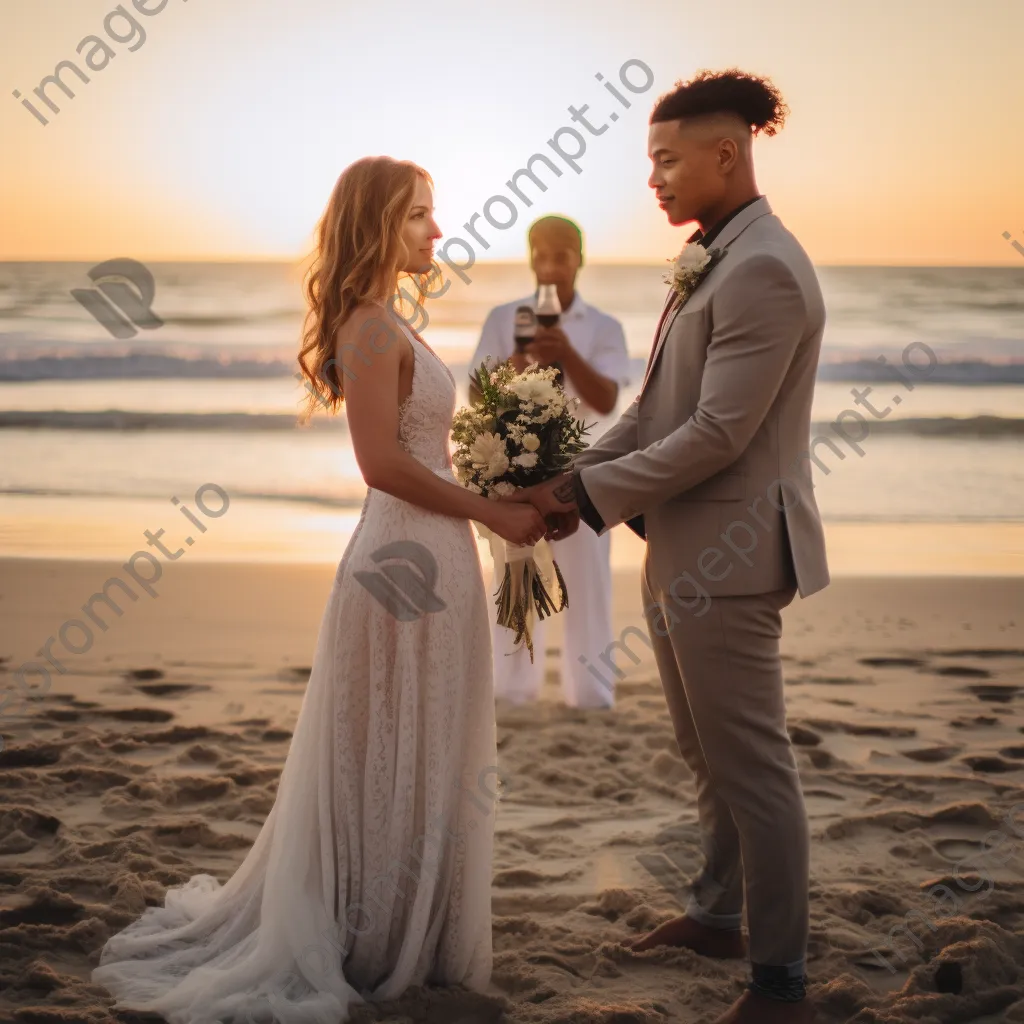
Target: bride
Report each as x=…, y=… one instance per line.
x=372, y=872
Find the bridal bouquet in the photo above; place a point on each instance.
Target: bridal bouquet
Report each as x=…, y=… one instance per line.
x=521, y=432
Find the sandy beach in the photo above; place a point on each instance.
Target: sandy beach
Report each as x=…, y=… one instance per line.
x=155, y=755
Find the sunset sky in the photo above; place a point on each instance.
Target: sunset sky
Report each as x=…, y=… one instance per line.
x=222, y=135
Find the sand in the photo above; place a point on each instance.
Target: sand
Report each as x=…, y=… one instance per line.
x=156, y=756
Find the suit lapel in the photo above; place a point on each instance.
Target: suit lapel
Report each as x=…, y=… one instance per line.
x=729, y=234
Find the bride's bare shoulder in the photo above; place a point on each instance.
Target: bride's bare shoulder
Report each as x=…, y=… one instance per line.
x=367, y=325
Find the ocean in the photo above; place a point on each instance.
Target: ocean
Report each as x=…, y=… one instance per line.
x=98, y=435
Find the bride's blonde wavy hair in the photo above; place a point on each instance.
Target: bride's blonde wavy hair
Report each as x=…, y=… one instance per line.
x=356, y=259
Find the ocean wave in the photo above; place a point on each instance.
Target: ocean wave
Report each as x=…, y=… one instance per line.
x=354, y=502
x=966, y=371
x=119, y=420
x=143, y=366
x=937, y=426
x=319, y=500
x=155, y=365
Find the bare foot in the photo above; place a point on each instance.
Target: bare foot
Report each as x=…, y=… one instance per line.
x=753, y=1008
x=683, y=931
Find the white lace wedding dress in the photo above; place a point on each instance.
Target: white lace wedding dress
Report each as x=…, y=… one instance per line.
x=372, y=871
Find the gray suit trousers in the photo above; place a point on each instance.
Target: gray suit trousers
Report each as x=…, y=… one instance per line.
x=722, y=676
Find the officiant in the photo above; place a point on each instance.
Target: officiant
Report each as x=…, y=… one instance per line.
x=590, y=348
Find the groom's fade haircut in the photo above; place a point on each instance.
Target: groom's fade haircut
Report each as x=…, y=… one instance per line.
x=556, y=226
x=755, y=100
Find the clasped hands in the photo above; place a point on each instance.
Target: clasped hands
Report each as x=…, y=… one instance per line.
x=555, y=500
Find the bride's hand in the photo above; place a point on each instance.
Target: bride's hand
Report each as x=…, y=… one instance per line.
x=518, y=522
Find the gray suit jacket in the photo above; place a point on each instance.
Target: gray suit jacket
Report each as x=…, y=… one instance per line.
x=715, y=450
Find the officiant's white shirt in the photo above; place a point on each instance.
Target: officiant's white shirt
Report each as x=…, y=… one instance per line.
x=596, y=336
x=583, y=557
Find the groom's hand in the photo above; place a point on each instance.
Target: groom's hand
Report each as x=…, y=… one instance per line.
x=556, y=495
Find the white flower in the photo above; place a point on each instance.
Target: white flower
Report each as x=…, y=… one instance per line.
x=528, y=388
x=527, y=460
x=693, y=258
x=489, y=456
x=503, y=488
x=689, y=268
x=473, y=487
x=531, y=442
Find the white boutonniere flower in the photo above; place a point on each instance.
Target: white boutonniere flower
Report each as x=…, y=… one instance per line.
x=690, y=267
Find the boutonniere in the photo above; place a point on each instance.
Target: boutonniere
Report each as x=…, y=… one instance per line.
x=690, y=267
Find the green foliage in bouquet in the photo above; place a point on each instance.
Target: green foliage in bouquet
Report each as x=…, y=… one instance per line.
x=520, y=432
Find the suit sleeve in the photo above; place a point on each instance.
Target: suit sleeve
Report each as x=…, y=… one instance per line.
x=759, y=319
x=588, y=512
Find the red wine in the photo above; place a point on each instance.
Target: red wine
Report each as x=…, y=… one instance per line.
x=525, y=326
x=547, y=319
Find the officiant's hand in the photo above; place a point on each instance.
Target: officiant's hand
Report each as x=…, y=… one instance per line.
x=549, y=346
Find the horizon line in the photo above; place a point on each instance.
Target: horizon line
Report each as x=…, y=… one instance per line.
x=296, y=261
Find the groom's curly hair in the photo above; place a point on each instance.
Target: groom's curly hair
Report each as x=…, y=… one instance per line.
x=754, y=99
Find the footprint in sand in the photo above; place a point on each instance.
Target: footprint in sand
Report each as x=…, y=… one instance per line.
x=989, y=764
x=177, y=734
x=963, y=671
x=169, y=689
x=803, y=737
x=980, y=652
x=955, y=849
x=822, y=759
x=61, y=715
x=932, y=755
x=887, y=662
x=970, y=723
x=995, y=693
x=511, y=877
x=49, y=908
x=21, y=828
x=277, y=735
x=137, y=714
x=838, y=681
x=29, y=757
x=144, y=673
x=1016, y=752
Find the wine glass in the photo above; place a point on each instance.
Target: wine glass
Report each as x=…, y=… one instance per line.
x=548, y=307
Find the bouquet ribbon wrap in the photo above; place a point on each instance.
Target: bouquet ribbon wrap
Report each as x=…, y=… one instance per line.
x=530, y=582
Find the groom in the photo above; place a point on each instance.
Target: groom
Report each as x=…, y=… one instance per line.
x=710, y=464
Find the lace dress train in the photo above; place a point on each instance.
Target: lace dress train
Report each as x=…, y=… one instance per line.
x=372, y=872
